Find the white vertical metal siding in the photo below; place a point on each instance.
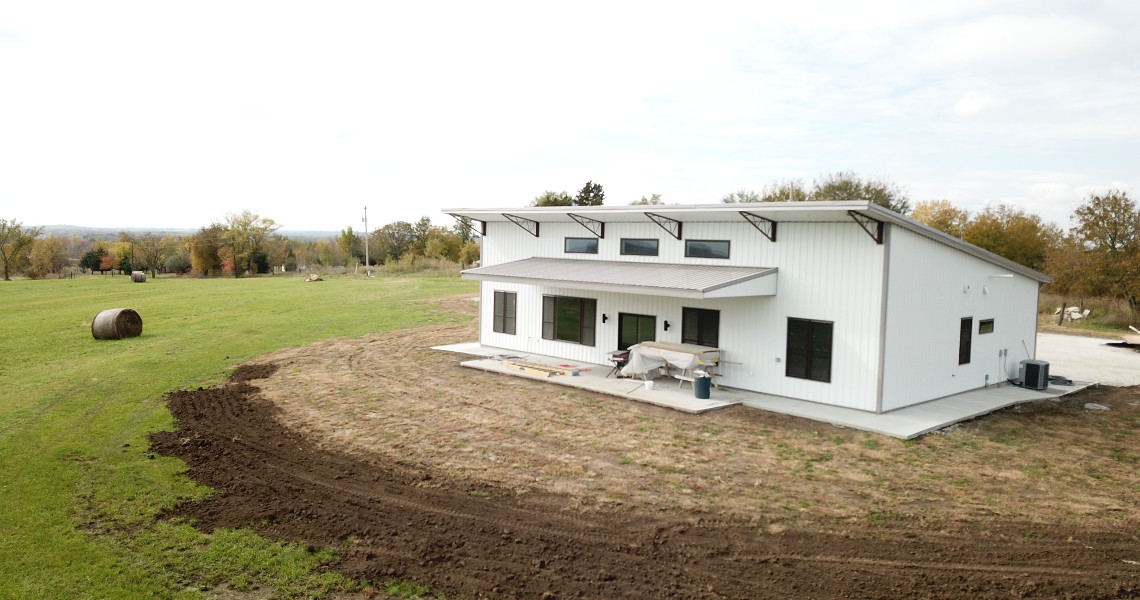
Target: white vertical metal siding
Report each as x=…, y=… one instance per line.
x=931, y=288
x=827, y=271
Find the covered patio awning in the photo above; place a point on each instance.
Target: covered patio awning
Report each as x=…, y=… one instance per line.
x=653, y=279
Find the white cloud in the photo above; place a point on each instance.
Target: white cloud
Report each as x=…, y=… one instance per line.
x=174, y=115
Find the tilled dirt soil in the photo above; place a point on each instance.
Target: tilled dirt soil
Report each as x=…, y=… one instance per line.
x=481, y=485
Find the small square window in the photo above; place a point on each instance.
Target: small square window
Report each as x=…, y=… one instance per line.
x=986, y=326
x=581, y=245
x=706, y=248
x=636, y=247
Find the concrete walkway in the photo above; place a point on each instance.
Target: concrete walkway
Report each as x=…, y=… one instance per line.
x=1087, y=361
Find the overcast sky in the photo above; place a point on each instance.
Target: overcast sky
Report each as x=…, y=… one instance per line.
x=173, y=114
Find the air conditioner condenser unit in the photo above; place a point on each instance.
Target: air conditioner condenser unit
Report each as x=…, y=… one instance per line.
x=1034, y=374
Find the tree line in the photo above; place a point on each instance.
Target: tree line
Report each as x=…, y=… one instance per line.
x=241, y=244
x=1098, y=255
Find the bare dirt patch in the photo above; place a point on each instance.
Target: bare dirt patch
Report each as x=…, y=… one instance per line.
x=480, y=485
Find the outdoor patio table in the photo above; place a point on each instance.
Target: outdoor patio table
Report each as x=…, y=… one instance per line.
x=646, y=356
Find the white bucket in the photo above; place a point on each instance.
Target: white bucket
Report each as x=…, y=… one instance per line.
x=648, y=385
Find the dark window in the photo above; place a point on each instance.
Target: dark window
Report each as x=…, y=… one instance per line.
x=504, y=321
x=706, y=248
x=569, y=319
x=809, y=349
x=581, y=245
x=965, y=334
x=639, y=247
x=700, y=326
x=986, y=326
x=634, y=329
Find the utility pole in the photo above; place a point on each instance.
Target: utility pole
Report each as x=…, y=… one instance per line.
x=367, y=265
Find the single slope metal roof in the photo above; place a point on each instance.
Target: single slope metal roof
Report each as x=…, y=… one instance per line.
x=779, y=212
x=653, y=279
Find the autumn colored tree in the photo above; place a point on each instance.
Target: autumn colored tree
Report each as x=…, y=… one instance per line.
x=49, y=255
x=15, y=239
x=108, y=261
x=941, y=215
x=204, y=250
x=1014, y=234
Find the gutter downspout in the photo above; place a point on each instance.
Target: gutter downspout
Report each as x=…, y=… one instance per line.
x=882, y=365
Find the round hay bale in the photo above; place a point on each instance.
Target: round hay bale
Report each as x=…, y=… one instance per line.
x=116, y=324
x=138, y=276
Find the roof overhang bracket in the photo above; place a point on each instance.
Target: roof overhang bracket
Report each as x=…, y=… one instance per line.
x=671, y=226
x=469, y=222
x=873, y=227
x=528, y=225
x=594, y=226
x=764, y=226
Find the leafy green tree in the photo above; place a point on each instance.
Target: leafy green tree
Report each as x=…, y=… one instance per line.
x=470, y=253
x=150, y=250
x=941, y=215
x=846, y=185
x=14, y=240
x=393, y=240
x=1107, y=231
x=652, y=200
x=839, y=186
x=179, y=262
x=1014, y=234
x=591, y=194
x=741, y=196
x=421, y=231
x=279, y=251
x=349, y=243
x=90, y=261
x=444, y=245
x=549, y=198
x=1108, y=223
x=464, y=230
x=788, y=190
x=244, y=235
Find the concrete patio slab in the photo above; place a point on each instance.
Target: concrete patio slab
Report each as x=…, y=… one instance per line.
x=905, y=423
x=665, y=392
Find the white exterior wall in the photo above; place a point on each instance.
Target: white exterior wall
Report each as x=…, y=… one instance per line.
x=927, y=298
x=827, y=272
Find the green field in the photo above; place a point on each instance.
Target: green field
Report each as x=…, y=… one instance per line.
x=79, y=492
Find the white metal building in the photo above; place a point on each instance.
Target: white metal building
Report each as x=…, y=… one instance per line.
x=842, y=303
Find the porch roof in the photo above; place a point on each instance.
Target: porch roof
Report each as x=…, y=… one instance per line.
x=653, y=279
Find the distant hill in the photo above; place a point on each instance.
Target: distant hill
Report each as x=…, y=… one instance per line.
x=104, y=233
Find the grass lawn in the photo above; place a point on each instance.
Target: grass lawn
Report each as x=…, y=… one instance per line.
x=79, y=490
